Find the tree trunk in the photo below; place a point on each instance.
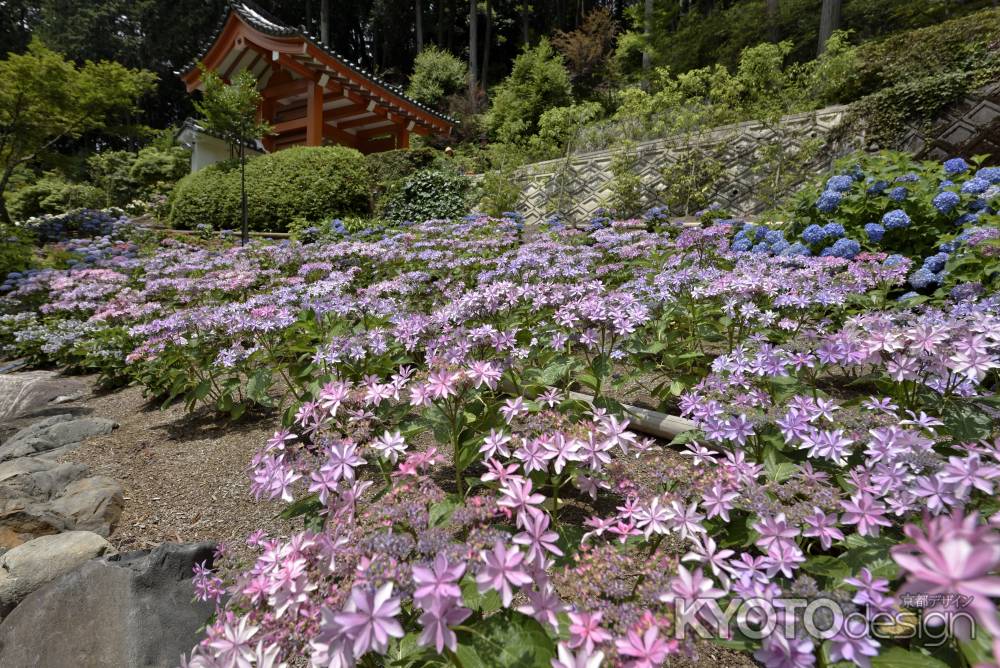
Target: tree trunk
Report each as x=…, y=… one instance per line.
x=473, y=46
x=4, y=214
x=324, y=22
x=829, y=20
x=245, y=235
x=486, y=44
x=773, y=16
x=647, y=30
x=419, y=10
x=440, y=26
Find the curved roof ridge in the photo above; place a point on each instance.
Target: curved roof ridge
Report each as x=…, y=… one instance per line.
x=259, y=19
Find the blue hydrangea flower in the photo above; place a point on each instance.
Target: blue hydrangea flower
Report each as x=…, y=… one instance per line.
x=898, y=194
x=977, y=205
x=828, y=201
x=877, y=188
x=909, y=177
x=975, y=186
x=797, y=249
x=946, y=201
x=955, y=166
x=893, y=260
x=833, y=230
x=923, y=278
x=760, y=248
x=966, y=218
x=774, y=236
x=991, y=174
x=895, y=219
x=935, y=263
x=813, y=234
x=949, y=246
x=966, y=291
x=907, y=295
x=845, y=248
x=741, y=245
x=875, y=232
x=840, y=183
x=779, y=247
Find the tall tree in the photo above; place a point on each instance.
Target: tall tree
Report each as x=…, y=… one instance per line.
x=473, y=46
x=829, y=20
x=487, y=42
x=45, y=99
x=230, y=111
x=418, y=9
x=647, y=29
x=773, y=18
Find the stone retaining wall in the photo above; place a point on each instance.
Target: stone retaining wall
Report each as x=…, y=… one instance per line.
x=579, y=185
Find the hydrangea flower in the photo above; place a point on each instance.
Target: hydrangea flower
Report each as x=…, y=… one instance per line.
x=839, y=183
x=946, y=201
x=828, y=201
x=955, y=166
x=814, y=234
x=975, y=186
x=924, y=278
x=895, y=219
x=833, y=230
x=898, y=194
x=990, y=174
x=875, y=232
x=935, y=263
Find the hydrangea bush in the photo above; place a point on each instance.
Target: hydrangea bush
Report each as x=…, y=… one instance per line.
x=892, y=203
x=454, y=430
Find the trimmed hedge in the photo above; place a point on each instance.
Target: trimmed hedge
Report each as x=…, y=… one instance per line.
x=315, y=183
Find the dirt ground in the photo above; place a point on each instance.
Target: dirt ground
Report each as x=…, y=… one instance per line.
x=184, y=475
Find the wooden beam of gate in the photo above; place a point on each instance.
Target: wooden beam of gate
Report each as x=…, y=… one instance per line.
x=286, y=89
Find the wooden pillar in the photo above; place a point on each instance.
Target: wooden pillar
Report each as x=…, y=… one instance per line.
x=314, y=116
x=403, y=138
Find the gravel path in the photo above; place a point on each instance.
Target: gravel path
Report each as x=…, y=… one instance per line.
x=183, y=474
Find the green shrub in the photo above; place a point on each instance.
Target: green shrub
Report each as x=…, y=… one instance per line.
x=388, y=168
x=500, y=192
x=626, y=199
x=428, y=194
x=437, y=75
x=538, y=81
x=15, y=250
x=53, y=194
x=690, y=181
x=315, y=183
x=155, y=169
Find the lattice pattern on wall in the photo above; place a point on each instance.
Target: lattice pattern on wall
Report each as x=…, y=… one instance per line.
x=579, y=185
x=970, y=127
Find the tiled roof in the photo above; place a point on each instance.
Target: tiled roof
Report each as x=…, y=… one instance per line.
x=260, y=20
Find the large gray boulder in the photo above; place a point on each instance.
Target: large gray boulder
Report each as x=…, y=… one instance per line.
x=29, y=566
x=133, y=610
x=58, y=432
x=31, y=391
x=39, y=496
